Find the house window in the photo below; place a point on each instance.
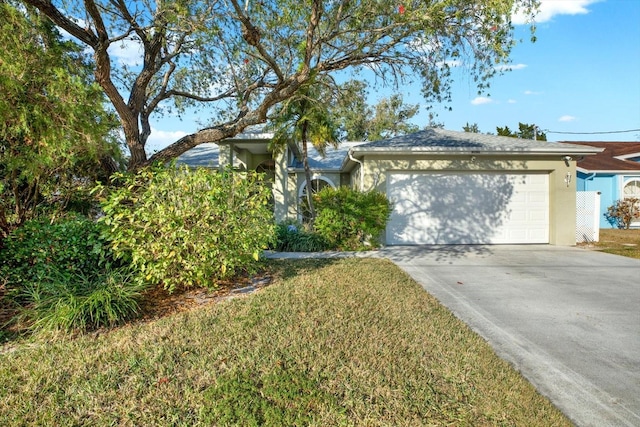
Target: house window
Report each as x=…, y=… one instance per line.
x=632, y=189
x=317, y=184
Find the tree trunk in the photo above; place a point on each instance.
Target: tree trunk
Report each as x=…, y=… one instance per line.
x=307, y=173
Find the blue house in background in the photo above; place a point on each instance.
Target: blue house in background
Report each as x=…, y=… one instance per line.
x=615, y=173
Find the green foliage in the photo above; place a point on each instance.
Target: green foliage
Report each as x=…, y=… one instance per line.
x=261, y=53
x=525, y=131
x=360, y=122
x=294, y=237
x=283, y=397
x=305, y=118
x=391, y=118
x=180, y=227
x=349, y=219
x=471, y=128
x=62, y=275
x=72, y=244
x=54, y=129
x=67, y=301
x=623, y=212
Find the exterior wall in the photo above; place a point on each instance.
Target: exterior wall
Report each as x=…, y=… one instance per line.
x=562, y=192
x=292, y=196
x=610, y=187
x=607, y=185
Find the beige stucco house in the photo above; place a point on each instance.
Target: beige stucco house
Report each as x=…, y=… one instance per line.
x=446, y=187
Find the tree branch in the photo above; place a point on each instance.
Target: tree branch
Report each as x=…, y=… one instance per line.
x=63, y=22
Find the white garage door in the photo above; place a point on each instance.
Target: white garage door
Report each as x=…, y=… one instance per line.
x=468, y=208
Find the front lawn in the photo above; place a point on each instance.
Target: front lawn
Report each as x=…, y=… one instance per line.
x=329, y=342
x=619, y=242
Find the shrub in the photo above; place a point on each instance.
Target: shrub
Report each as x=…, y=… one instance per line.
x=62, y=275
x=182, y=227
x=294, y=237
x=623, y=212
x=66, y=301
x=73, y=244
x=349, y=219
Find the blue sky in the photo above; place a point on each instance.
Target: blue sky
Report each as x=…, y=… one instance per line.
x=582, y=75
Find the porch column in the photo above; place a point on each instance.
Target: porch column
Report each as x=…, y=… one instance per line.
x=225, y=156
x=280, y=186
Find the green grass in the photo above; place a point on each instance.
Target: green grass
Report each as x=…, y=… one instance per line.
x=619, y=242
x=352, y=342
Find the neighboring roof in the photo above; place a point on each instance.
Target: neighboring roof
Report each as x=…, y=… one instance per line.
x=204, y=155
x=614, y=158
x=441, y=141
x=208, y=154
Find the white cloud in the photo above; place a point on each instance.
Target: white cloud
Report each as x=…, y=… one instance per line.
x=531, y=92
x=551, y=8
x=567, y=118
x=127, y=52
x=160, y=139
x=481, y=100
x=510, y=67
x=512, y=101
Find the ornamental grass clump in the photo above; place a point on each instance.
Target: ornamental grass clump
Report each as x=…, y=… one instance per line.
x=62, y=275
x=182, y=228
x=295, y=237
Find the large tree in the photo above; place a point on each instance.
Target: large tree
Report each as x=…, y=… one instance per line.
x=241, y=58
x=359, y=121
x=54, y=131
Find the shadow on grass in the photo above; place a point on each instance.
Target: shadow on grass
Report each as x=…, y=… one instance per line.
x=291, y=267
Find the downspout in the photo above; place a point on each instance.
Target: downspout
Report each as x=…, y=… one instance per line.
x=361, y=169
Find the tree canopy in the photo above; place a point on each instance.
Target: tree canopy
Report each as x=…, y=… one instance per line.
x=54, y=131
x=358, y=121
x=239, y=59
x=525, y=131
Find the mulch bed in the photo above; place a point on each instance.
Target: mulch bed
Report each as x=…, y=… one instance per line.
x=158, y=302
x=155, y=304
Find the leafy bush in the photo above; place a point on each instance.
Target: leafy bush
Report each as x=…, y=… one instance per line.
x=293, y=237
x=73, y=244
x=62, y=275
x=66, y=301
x=182, y=227
x=623, y=212
x=349, y=219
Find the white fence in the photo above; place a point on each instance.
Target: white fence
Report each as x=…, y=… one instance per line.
x=587, y=216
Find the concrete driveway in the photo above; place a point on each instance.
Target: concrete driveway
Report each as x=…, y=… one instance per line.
x=567, y=318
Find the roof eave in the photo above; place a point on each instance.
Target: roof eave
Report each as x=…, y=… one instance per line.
x=476, y=152
x=609, y=171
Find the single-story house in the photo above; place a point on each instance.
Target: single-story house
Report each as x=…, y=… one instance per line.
x=614, y=172
x=446, y=187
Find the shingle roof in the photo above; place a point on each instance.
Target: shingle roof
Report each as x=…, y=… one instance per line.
x=204, y=155
x=443, y=141
x=332, y=160
x=607, y=160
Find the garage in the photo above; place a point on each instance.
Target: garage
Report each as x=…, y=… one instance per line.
x=468, y=207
